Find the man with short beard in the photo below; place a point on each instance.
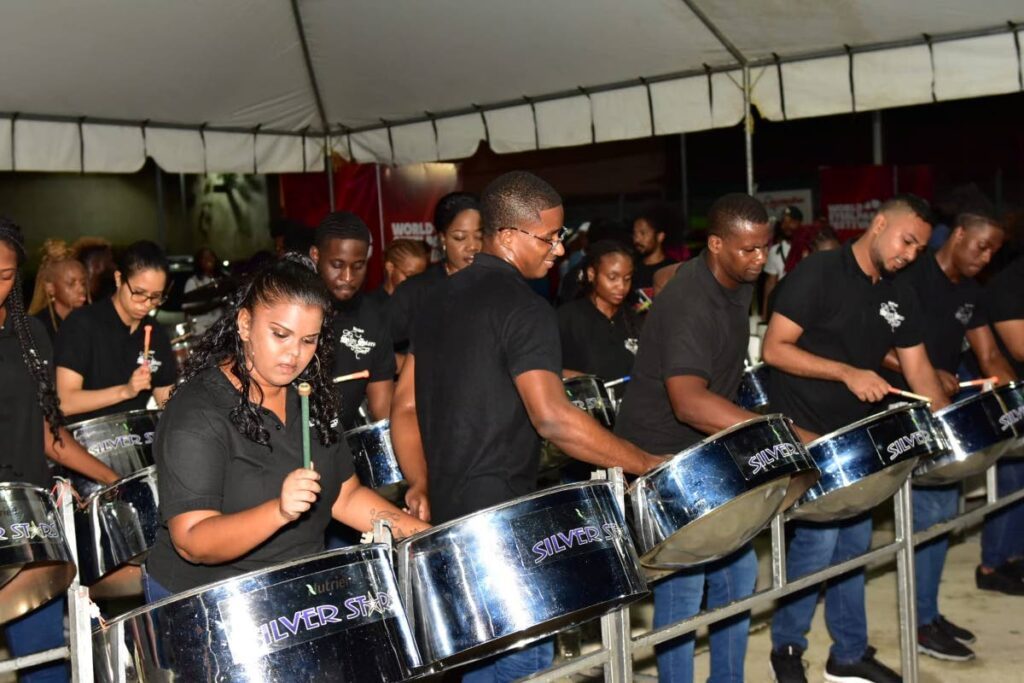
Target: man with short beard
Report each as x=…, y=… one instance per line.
x=650, y=228
x=834, y=321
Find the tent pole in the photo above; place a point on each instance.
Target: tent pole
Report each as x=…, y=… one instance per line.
x=329, y=163
x=684, y=182
x=876, y=138
x=161, y=219
x=748, y=130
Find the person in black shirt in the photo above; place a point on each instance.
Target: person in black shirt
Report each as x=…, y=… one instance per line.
x=649, y=231
x=836, y=316
x=362, y=340
x=481, y=384
x=234, y=495
x=403, y=258
x=599, y=333
x=457, y=221
x=33, y=429
x=100, y=365
x=60, y=286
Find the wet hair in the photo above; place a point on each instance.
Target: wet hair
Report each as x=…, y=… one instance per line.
x=140, y=256
x=46, y=393
x=54, y=254
x=730, y=210
x=450, y=206
x=662, y=217
x=909, y=202
x=592, y=259
x=405, y=248
x=290, y=279
x=515, y=197
x=341, y=225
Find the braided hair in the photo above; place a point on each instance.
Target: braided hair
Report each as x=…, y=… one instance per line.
x=594, y=253
x=290, y=279
x=46, y=393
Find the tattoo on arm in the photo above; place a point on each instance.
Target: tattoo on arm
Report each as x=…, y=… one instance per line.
x=389, y=516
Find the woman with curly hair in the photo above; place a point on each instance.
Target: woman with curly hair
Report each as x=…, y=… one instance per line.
x=234, y=495
x=61, y=286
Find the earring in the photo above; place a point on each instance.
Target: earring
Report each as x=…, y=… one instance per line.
x=305, y=376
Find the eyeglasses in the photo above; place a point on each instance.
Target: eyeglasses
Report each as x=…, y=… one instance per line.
x=143, y=297
x=552, y=242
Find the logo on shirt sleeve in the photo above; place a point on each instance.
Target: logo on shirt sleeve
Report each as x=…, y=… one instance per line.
x=964, y=314
x=355, y=341
x=890, y=311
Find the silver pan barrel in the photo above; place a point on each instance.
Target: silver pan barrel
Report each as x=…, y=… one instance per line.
x=710, y=499
x=589, y=394
x=980, y=430
x=35, y=562
x=866, y=462
x=373, y=456
x=517, y=572
x=329, y=617
x=1012, y=396
x=753, y=391
x=123, y=442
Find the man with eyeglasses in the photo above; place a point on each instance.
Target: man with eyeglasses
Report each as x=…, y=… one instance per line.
x=101, y=367
x=481, y=386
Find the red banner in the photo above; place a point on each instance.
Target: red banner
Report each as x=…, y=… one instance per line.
x=851, y=195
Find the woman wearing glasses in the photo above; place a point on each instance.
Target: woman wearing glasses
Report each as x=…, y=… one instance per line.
x=101, y=369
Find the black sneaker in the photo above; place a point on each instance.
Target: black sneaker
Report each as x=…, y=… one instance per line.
x=1015, y=567
x=933, y=641
x=958, y=632
x=788, y=665
x=867, y=670
x=1001, y=580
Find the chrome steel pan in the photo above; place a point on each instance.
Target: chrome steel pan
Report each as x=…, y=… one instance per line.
x=753, y=391
x=516, y=572
x=374, y=458
x=710, y=499
x=117, y=525
x=1013, y=397
x=329, y=617
x=35, y=562
x=979, y=430
x=124, y=442
x=864, y=463
x=589, y=394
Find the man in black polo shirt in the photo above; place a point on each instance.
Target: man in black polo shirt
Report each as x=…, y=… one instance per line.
x=684, y=382
x=481, y=384
x=834, y=320
x=650, y=228
x=362, y=339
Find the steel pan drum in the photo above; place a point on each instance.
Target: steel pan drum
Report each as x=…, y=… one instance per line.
x=866, y=462
x=124, y=442
x=979, y=430
x=329, y=617
x=516, y=572
x=710, y=499
x=1012, y=396
x=373, y=456
x=117, y=525
x=35, y=562
x=753, y=391
x=589, y=394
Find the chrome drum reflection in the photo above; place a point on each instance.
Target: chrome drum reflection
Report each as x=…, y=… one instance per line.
x=979, y=430
x=516, y=572
x=1012, y=395
x=589, y=394
x=330, y=617
x=866, y=462
x=35, y=562
x=124, y=442
x=710, y=499
x=373, y=456
x=753, y=391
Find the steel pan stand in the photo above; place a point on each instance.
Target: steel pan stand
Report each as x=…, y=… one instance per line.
x=615, y=630
x=906, y=587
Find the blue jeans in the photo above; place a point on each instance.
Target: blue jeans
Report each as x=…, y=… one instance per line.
x=679, y=596
x=813, y=548
x=39, y=630
x=932, y=505
x=151, y=590
x=1002, y=537
x=512, y=665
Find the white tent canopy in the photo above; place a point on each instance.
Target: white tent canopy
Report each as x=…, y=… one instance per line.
x=263, y=85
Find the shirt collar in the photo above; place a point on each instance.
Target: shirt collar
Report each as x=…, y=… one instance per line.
x=733, y=296
x=850, y=263
x=495, y=263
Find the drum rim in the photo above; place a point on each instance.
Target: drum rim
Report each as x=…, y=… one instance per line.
x=965, y=401
x=137, y=474
x=106, y=418
x=25, y=485
x=754, y=367
x=593, y=378
x=386, y=422
x=710, y=439
x=867, y=420
x=501, y=506
x=193, y=592
x=1009, y=386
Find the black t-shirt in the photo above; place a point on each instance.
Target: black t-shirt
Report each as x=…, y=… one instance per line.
x=362, y=341
x=95, y=343
x=948, y=310
x=594, y=344
x=847, y=318
x=481, y=328
x=407, y=302
x=22, y=457
x=379, y=296
x=695, y=327
x=1005, y=292
x=204, y=463
x=44, y=318
x=643, y=274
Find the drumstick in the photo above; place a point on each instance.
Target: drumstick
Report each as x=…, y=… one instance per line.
x=304, y=391
x=979, y=382
x=145, y=344
x=362, y=374
x=616, y=382
x=909, y=394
